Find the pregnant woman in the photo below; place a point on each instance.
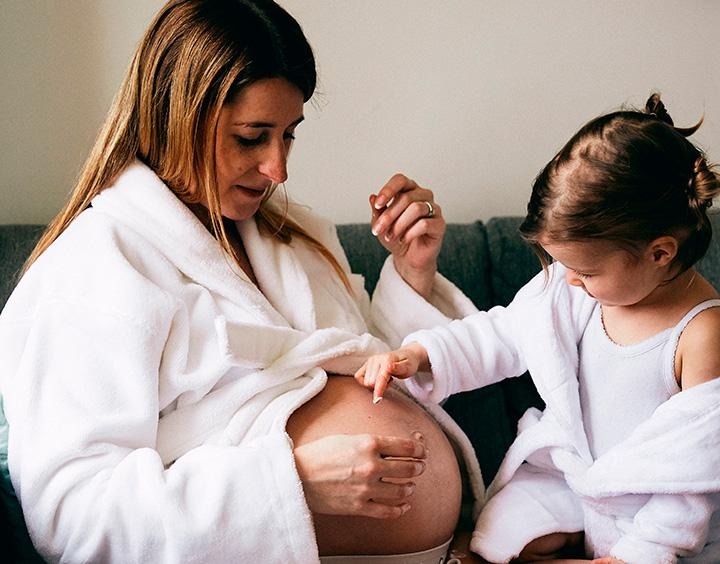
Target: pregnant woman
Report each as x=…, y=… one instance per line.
x=175, y=358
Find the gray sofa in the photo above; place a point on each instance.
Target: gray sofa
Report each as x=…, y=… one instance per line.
x=488, y=261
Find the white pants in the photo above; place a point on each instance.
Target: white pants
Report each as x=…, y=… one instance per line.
x=437, y=555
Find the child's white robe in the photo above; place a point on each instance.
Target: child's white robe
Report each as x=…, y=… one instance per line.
x=652, y=498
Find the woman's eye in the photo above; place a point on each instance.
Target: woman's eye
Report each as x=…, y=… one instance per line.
x=249, y=141
x=260, y=139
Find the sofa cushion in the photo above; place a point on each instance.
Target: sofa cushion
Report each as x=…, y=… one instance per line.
x=16, y=243
x=17, y=546
x=709, y=265
x=463, y=259
x=513, y=262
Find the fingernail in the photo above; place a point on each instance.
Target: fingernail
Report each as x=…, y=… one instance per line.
x=374, y=231
x=379, y=203
x=377, y=400
x=418, y=436
x=387, y=237
x=419, y=467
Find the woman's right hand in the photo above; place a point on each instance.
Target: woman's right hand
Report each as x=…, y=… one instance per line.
x=409, y=223
x=361, y=475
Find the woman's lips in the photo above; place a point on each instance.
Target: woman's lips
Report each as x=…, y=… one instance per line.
x=253, y=192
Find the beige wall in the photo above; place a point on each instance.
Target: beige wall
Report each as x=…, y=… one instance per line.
x=470, y=97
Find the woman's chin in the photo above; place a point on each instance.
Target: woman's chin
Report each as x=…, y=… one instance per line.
x=240, y=212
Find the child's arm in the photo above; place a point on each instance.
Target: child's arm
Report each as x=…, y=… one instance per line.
x=401, y=363
x=698, y=354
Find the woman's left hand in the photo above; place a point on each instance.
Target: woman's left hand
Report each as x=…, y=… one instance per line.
x=408, y=223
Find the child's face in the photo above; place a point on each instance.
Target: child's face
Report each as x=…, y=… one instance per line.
x=611, y=275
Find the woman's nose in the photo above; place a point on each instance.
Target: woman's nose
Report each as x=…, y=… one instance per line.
x=273, y=164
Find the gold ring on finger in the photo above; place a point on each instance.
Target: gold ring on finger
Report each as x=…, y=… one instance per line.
x=431, y=210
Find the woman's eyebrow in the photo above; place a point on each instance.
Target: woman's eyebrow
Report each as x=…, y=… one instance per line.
x=264, y=124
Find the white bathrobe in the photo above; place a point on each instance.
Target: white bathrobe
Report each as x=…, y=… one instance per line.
x=651, y=499
x=147, y=381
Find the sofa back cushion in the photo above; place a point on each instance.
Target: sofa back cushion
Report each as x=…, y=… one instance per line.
x=709, y=265
x=16, y=243
x=464, y=257
x=513, y=262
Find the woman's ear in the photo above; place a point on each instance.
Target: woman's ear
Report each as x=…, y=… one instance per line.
x=663, y=250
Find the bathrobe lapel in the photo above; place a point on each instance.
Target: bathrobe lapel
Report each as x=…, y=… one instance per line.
x=686, y=427
x=281, y=277
x=182, y=238
x=553, y=360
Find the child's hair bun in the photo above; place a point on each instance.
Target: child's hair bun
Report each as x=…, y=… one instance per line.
x=655, y=107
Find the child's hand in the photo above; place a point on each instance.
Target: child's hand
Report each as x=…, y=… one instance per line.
x=379, y=369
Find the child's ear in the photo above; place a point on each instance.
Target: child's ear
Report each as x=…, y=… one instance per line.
x=663, y=250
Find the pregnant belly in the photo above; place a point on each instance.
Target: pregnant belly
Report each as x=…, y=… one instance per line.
x=344, y=407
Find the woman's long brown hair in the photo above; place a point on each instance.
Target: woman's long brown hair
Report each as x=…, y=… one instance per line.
x=195, y=57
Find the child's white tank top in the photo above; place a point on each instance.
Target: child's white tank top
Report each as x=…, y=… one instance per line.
x=621, y=386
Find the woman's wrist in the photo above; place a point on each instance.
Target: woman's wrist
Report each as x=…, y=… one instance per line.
x=421, y=280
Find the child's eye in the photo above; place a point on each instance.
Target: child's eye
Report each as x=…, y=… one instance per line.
x=582, y=275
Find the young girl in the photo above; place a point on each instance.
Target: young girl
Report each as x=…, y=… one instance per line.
x=622, y=338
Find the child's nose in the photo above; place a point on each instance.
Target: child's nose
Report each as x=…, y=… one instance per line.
x=573, y=279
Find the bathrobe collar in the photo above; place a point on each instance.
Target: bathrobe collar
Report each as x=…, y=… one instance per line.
x=190, y=246
x=281, y=277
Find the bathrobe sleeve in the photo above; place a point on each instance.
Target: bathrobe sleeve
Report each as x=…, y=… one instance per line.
x=665, y=528
x=397, y=309
x=537, y=331
x=478, y=350
x=465, y=354
x=80, y=360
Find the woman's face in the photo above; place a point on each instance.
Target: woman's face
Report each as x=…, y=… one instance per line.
x=254, y=134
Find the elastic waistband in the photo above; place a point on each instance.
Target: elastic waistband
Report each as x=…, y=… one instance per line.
x=437, y=555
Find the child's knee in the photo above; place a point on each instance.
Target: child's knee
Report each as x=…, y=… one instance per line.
x=554, y=545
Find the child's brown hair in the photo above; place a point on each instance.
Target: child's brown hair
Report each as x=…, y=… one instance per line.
x=627, y=177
